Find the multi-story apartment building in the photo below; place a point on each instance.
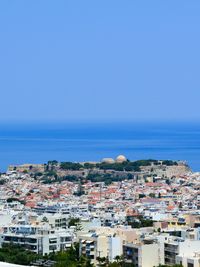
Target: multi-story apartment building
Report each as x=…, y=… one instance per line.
x=100, y=246
x=174, y=250
x=189, y=253
x=163, y=249
x=141, y=255
x=189, y=261
x=37, y=239
x=170, y=252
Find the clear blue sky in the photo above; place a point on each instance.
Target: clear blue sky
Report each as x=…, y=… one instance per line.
x=99, y=60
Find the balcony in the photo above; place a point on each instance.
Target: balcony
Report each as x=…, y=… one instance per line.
x=171, y=249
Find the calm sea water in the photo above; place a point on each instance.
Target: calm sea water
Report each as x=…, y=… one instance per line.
x=91, y=142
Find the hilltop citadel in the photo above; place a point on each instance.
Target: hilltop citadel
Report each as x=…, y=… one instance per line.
x=145, y=211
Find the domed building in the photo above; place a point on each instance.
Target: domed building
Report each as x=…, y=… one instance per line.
x=120, y=159
x=108, y=160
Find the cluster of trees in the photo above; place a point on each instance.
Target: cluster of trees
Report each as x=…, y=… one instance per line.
x=124, y=166
x=70, y=258
x=169, y=162
x=75, y=222
x=19, y=255
x=94, y=177
x=119, y=262
x=107, y=177
x=71, y=166
x=127, y=165
x=50, y=175
x=52, y=179
x=12, y=199
x=16, y=254
x=53, y=165
x=139, y=222
x=50, y=165
x=3, y=181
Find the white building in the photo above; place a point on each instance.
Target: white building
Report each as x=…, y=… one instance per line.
x=96, y=246
x=189, y=254
x=41, y=240
x=142, y=255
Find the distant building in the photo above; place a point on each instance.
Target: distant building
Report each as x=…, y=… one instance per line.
x=120, y=159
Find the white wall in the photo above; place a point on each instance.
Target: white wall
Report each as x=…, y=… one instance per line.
x=189, y=247
x=150, y=256
x=115, y=248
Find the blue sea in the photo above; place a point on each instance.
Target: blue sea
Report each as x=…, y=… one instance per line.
x=38, y=143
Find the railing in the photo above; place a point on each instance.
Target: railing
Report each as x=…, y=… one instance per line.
x=169, y=249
